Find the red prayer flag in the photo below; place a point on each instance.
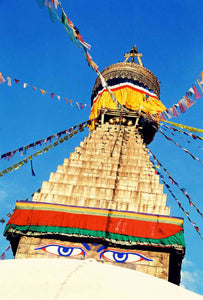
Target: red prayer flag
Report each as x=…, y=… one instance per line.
x=16, y=80
x=175, y=112
x=182, y=108
x=197, y=94
x=8, y=248
x=3, y=256
x=52, y=95
x=189, y=101
x=196, y=228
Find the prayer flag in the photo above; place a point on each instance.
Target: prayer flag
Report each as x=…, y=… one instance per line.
x=181, y=106
x=3, y=256
x=33, y=173
x=16, y=166
x=196, y=228
x=71, y=102
x=189, y=101
x=66, y=100
x=43, y=92
x=77, y=104
x=2, y=80
x=16, y=80
x=162, y=116
x=9, y=245
x=81, y=105
x=175, y=112
x=56, y=3
x=52, y=14
x=170, y=112
x=201, y=77
x=25, y=85
x=166, y=114
x=9, y=81
x=52, y=95
x=199, y=83
x=34, y=88
x=59, y=97
x=197, y=94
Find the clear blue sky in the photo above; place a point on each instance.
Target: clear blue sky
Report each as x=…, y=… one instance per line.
x=36, y=51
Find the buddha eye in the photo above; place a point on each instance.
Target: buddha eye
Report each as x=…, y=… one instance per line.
x=63, y=250
x=123, y=257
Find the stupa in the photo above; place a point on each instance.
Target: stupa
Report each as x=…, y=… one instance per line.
x=105, y=202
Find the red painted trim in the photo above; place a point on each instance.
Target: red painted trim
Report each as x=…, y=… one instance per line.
x=145, y=229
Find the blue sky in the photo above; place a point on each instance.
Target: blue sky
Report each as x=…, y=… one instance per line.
x=40, y=53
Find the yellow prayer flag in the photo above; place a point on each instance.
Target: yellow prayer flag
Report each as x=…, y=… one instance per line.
x=193, y=129
x=61, y=140
x=10, y=169
x=201, y=74
x=2, y=80
x=43, y=92
x=16, y=166
x=56, y=143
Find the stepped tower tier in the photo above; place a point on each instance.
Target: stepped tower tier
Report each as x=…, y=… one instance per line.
x=105, y=202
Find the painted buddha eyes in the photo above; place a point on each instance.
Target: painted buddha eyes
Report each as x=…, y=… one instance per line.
x=63, y=251
x=123, y=257
x=109, y=254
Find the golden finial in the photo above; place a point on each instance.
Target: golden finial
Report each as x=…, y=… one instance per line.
x=132, y=54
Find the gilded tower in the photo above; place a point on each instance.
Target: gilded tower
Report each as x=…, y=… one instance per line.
x=105, y=202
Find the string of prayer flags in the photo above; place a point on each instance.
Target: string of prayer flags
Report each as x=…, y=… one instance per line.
x=180, y=206
x=183, y=190
x=189, y=128
x=34, y=88
x=75, y=36
x=176, y=199
x=72, y=131
x=185, y=150
x=3, y=255
x=185, y=102
x=193, y=136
